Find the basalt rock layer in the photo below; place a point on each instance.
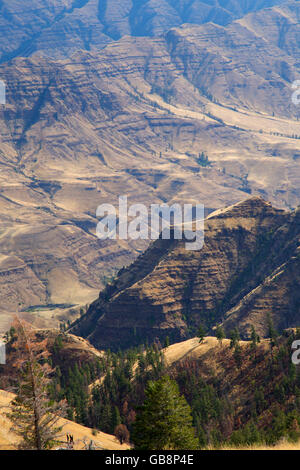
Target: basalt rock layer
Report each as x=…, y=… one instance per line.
x=134, y=118
x=247, y=271
x=59, y=28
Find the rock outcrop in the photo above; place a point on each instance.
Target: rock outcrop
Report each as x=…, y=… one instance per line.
x=248, y=269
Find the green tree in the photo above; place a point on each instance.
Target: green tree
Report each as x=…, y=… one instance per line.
x=272, y=333
x=164, y=421
x=220, y=334
x=116, y=418
x=254, y=338
x=202, y=160
x=234, y=338
x=238, y=355
x=122, y=434
x=201, y=332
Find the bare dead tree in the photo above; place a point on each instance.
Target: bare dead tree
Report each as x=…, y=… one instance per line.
x=122, y=433
x=34, y=417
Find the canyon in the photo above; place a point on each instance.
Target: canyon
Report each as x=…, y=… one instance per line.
x=134, y=118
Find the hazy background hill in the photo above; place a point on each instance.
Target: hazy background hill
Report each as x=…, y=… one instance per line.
x=60, y=27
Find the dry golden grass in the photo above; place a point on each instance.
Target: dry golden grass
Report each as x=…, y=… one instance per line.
x=282, y=445
x=82, y=434
x=193, y=348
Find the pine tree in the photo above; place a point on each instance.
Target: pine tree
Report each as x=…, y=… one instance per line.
x=272, y=333
x=164, y=421
x=34, y=417
x=234, y=338
x=254, y=338
x=220, y=334
x=201, y=332
x=238, y=355
x=106, y=419
x=116, y=418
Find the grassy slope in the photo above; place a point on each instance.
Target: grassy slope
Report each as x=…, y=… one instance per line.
x=8, y=439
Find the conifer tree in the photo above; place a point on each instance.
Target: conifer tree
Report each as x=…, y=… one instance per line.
x=220, y=334
x=116, y=418
x=201, y=333
x=238, y=355
x=254, y=338
x=164, y=421
x=234, y=338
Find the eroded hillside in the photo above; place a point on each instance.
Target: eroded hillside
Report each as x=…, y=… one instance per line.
x=134, y=119
x=59, y=28
x=248, y=269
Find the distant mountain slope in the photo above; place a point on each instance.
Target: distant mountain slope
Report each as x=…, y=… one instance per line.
x=249, y=268
x=132, y=119
x=59, y=28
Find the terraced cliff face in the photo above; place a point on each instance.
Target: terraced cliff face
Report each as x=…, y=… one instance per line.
x=58, y=28
x=249, y=268
x=132, y=119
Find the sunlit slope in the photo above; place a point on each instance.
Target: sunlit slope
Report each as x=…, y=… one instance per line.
x=248, y=268
x=82, y=435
